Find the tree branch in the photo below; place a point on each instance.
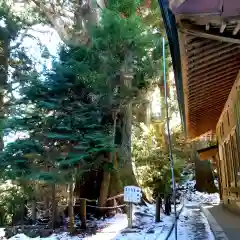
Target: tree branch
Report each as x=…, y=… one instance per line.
x=55, y=21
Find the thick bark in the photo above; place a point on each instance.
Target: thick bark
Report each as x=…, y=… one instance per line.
x=86, y=14
x=107, y=174
x=203, y=173
x=126, y=167
x=126, y=170
x=83, y=214
x=104, y=188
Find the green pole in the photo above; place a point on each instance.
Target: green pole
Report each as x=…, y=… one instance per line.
x=169, y=136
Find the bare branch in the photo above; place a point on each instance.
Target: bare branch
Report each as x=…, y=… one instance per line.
x=56, y=22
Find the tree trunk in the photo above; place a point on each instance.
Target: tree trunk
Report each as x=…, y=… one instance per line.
x=83, y=213
x=104, y=186
x=86, y=15
x=106, y=172
x=203, y=173
x=126, y=171
x=3, y=83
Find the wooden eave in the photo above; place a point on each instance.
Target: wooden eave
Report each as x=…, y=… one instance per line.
x=210, y=58
x=208, y=153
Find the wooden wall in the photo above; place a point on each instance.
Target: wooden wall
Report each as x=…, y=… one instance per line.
x=229, y=146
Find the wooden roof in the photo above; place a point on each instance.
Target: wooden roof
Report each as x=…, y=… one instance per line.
x=209, y=42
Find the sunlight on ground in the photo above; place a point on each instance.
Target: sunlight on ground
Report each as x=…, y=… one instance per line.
x=111, y=231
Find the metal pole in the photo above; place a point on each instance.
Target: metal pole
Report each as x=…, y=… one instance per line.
x=169, y=136
x=130, y=214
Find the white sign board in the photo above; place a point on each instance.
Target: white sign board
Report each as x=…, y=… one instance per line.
x=132, y=194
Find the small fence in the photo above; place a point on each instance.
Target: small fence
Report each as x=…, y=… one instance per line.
x=42, y=213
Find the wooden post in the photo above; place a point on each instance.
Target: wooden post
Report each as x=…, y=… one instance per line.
x=34, y=211
x=216, y=158
x=70, y=209
x=83, y=213
x=53, y=206
x=158, y=208
x=22, y=212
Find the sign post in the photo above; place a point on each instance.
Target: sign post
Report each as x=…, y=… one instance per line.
x=132, y=194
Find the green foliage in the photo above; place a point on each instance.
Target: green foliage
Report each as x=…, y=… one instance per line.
x=65, y=113
x=151, y=162
x=12, y=200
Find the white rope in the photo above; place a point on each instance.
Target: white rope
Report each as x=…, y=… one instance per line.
x=117, y=196
x=95, y=200
x=120, y=206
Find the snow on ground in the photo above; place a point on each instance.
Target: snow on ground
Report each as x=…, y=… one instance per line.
x=144, y=227
x=192, y=225
x=198, y=197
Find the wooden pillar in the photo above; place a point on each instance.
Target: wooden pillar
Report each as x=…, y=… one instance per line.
x=70, y=208
x=34, y=210
x=216, y=158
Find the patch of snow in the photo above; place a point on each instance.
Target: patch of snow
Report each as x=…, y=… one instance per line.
x=198, y=197
x=192, y=225
x=144, y=227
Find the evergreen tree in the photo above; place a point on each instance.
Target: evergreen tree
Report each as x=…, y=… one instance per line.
x=70, y=113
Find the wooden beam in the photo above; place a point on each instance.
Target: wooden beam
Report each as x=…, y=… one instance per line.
x=182, y=37
x=196, y=100
x=208, y=111
x=198, y=43
x=215, y=60
x=208, y=80
x=212, y=36
x=223, y=26
x=198, y=32
x=202, y=111
x=196, y=51
x=212, y=53
x=236, y=29
x=219, y=78
x=203, y=96
x=215, y=67
x=201, y=106
x=194, y=119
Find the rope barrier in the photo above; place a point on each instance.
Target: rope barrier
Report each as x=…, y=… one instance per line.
x=115, y=207
x=43, y=212
x=95, y=200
